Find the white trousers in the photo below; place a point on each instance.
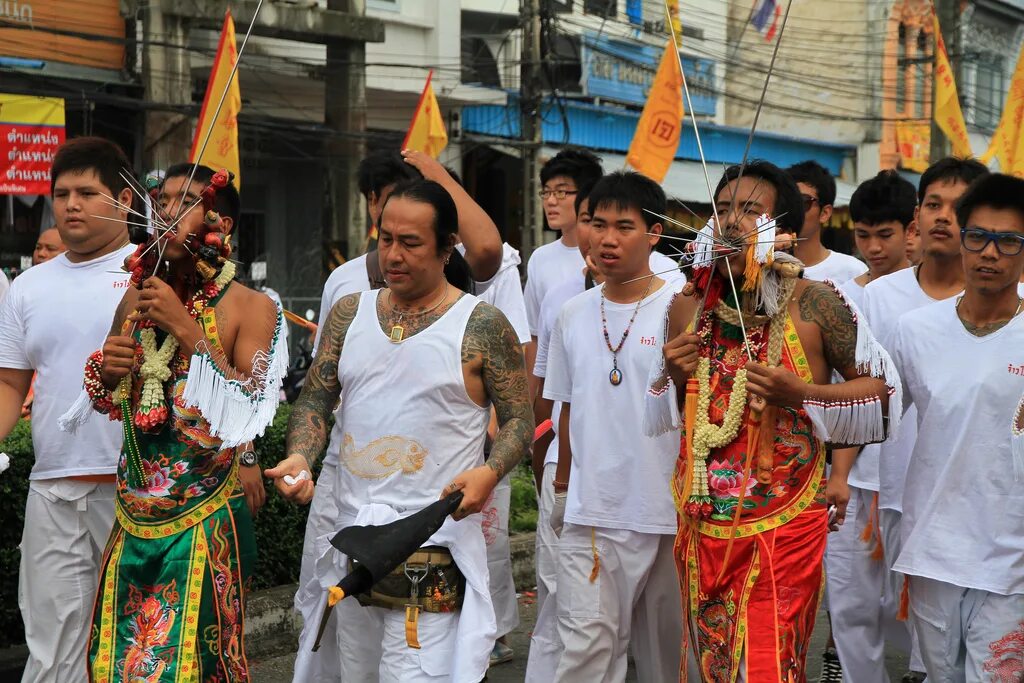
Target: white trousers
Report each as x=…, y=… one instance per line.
x=968, y=634
x=499, y=557
x=545, y=645
x=633, y=601
x=373, y=648
x=900, y=633
x=322, y=520
x=67, y=524
x=855, y=584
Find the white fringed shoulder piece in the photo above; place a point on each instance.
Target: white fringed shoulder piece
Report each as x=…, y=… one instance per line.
x=860, y=421
x=77, y=415
x=1017, y=441
x=661, y=409
x=239, y=411
x=764, y=236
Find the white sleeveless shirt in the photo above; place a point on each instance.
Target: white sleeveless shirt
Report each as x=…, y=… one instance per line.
x=409, y=427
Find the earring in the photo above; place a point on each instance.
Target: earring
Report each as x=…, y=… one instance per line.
x=447, y=259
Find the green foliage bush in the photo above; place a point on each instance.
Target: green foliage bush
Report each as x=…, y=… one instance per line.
x=13, y=492
x=523, y=510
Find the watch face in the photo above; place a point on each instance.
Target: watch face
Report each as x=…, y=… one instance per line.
x=248, y=459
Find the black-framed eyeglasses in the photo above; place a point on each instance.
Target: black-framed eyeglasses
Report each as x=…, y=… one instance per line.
x=809, y=201
x=559, y=194
x=1007, y=243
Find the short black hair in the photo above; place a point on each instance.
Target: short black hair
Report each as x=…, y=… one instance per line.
x=382, y=168
x=581, y=196
x=789, y=204
x=227, y=203
x=582, y=166
x=950, y=169
x=446, y=225
x=99, y=154
x=992, y=190
x=629, y=190
x=812, y=173
x=886, y=197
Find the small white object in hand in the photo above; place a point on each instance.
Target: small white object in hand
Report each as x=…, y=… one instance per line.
x=292, y=481
x=5, y=461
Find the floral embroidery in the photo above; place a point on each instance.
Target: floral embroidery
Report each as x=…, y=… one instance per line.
x=153, y=618
x=1007, y=661
x=715, y=623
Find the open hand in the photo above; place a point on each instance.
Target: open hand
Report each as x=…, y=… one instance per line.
x=118, y=360
x=429, y=167
x=476, y=486
x=777, y=386
x=301, y=492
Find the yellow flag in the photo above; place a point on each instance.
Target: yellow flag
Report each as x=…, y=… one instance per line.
x=426, y=131
x=947, y=104
x=222, y=149
x=657, y=132
x=1008, y=142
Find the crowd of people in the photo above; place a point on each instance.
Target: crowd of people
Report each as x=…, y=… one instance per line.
x=722, y=440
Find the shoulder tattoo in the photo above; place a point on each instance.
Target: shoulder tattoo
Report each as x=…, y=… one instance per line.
x=823, y=306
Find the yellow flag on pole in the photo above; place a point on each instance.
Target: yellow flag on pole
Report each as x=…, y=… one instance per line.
x=426, y=131
x=222, y=149
x=656, y=138
x=948, y=114
x=1008, y=142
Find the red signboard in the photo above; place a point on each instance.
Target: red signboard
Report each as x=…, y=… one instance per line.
x=31, y=130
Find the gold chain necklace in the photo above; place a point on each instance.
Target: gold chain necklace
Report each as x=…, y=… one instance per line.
x=397, y=330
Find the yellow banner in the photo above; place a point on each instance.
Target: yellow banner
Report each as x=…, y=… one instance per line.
x=948, y=114
x=1008, y=142
x=656, y=138
x=914, y=143
x=222, y=149
x=426, y=131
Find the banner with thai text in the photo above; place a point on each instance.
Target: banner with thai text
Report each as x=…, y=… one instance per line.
x=31, y=130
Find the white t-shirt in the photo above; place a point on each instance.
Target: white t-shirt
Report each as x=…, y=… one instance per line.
x=504, y=291
x=5, y=285
x=619, y=477
x=348, y=278
x=836, y=267
x=54, y=316
x=548, y=266
x=864, y=473
x=963, y=512
x=885, y=300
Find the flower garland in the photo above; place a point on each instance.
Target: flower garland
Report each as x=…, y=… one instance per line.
x=152, y=409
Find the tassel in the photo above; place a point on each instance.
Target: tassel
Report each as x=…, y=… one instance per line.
x=597, y=560
x=904, y=611
x=237, y=414
x=847, y=422
x=766, y=446
x=764, y=247
x=77, y=415
x=752, y=428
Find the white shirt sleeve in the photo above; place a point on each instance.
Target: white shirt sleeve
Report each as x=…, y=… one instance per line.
x=900, y=355
x=326, y=304
x=558, y=382
x=13, y=341
x=540, y=364
x=532, y=297
x=505, y=293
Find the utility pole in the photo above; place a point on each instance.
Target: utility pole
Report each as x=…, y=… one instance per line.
x=345, y=115
x=949, y=24
x=167, y=79
x=530, y=102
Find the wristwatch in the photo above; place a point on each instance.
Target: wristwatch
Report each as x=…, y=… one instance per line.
x=248, y=459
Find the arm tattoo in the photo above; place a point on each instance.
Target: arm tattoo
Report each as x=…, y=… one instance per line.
x=307, y=426
x=490, y=337
x=820, y=305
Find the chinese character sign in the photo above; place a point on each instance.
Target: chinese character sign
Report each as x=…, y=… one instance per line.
x=31, y=130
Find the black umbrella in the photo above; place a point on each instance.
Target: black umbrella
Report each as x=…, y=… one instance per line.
x=377, y=550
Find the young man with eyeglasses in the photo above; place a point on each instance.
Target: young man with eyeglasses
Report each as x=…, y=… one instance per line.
x=939, y=277
x=562, y=177
x=818, y=189
x=963, y=527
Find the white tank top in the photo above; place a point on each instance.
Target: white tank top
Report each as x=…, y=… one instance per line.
x=408, y=424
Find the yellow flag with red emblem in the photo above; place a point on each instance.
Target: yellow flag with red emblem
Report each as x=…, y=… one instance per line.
x=221, y=150
x=948, y=114
x=656, y=138
x=1008, y=142
x=426, y=132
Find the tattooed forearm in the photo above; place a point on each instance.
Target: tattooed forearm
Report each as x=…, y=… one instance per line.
x=819, y=304
x=307, y=426
x=490, y=337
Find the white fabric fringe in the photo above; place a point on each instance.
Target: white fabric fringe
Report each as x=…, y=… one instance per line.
x=238, y=411
x=77, y=415
x=860, y=421
x=661, y=407
x=1017, y=442
x=704, y=246
x=764, y=234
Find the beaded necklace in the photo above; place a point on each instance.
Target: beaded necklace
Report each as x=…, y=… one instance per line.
x=615, y=376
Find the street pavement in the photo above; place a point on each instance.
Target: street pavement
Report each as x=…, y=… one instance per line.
x=279, y=669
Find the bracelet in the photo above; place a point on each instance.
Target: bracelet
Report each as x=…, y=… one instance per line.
x=102, y=398
x=560, y=486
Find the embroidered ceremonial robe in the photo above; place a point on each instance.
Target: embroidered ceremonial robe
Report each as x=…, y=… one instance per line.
x=756, y=607
x=171, y=598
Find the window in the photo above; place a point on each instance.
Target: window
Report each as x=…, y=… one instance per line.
x=606, y=9
x=989, y=89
